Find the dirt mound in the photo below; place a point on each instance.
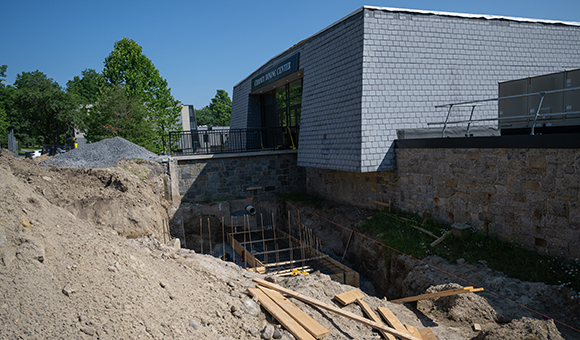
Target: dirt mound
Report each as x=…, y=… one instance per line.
x=468, y=308
x=68, y=270
x=128, y=198
x=523, y=329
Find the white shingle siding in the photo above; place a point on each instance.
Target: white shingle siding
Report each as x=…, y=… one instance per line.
x=379, y=70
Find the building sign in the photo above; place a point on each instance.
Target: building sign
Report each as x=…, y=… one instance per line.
x=279, y=71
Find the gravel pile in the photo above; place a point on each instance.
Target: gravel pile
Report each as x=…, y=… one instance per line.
x=103, y=154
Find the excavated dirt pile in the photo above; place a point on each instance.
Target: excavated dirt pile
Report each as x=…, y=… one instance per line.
x=80, y=258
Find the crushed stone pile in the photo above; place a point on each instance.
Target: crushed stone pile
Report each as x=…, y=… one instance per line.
x=103, y=154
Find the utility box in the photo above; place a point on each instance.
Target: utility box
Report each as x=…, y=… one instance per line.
x=558, y=110
x=572, y=98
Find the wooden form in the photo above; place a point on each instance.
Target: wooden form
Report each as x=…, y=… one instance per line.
x=311, y=325
x=438, y=294
x=248, y=257
x=383, y=204
x=340, y=272
x=277, y=312
x=311, y=301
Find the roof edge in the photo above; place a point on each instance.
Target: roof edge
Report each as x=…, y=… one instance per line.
x=473, y=16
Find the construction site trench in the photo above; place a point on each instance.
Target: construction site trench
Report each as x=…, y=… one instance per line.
x=334, y=229
x=86, y=252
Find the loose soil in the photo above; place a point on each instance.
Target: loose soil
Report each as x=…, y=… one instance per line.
x=81, y=256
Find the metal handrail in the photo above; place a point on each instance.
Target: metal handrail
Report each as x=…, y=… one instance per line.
x=472, y=103
x=197, y=142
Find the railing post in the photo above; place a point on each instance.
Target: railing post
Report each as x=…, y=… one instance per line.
x=542, y=94
x=446, y=120
x=470, y=118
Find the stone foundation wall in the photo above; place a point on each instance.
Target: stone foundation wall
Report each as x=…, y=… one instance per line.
x=529, y=196
x=208, y=178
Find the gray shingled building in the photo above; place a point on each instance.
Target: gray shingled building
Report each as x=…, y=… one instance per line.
x=351, y=86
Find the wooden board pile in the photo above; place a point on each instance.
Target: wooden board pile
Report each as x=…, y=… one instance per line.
x=303, y=327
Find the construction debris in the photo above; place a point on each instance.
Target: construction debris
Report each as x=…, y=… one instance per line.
x=319, y=304
x=457, y=291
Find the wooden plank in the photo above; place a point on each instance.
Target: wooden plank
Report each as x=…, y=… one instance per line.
x=427, y=334
x=253, y=188
x=413, y=331
x=391, y=319
x=439, y=240
x=369, y=312
x=438, y=294
x=286, y=320
x=294, y=261
x=334, y=309
x=311, y=325
x=349, y=297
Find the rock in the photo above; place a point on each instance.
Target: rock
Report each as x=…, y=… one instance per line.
x=271, y=278
x=476, y=327
x=254, y=331
x=234, y=309
x=88, y=330
x=194, y=324
x=26, y=223
x=68, y=290
x=175, y=243
x=277, y=334
x=268, y=332
x=231, y=284
x=251, y=307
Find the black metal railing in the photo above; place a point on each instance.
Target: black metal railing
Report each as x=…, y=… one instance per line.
x=198, y=142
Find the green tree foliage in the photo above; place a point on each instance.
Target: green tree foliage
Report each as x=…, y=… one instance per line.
x=44, y=109
x=218, y=113
x=87, y=87
x=3, y=117
x=203, y=116
x=117, y=114
x=127, y=66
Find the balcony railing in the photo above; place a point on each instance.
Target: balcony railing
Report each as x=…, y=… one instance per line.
x=199, y=142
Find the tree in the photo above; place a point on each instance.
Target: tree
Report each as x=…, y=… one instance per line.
x=44, y=108
x=87, y=87
x=128, y=67
x=203, y=116
x=117, y=114
x=218, y=113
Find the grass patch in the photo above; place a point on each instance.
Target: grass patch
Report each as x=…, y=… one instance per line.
x=509, y=258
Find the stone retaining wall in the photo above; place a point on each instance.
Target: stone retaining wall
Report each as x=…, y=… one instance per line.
x=208, y=178
x=526, y=195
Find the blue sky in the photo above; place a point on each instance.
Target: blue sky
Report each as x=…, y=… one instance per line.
x=197, y=46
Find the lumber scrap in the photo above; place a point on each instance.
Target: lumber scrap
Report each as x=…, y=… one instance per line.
x=312, y=326
x=334, y=309
x=439, y=240
x=349, y=297
x=369, y=312
x=413, y=331
x=427, y=334
x=391, y=319
x=438, y=294
x=277, y=312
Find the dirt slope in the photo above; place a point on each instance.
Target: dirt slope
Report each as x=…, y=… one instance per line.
x=69, y=271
